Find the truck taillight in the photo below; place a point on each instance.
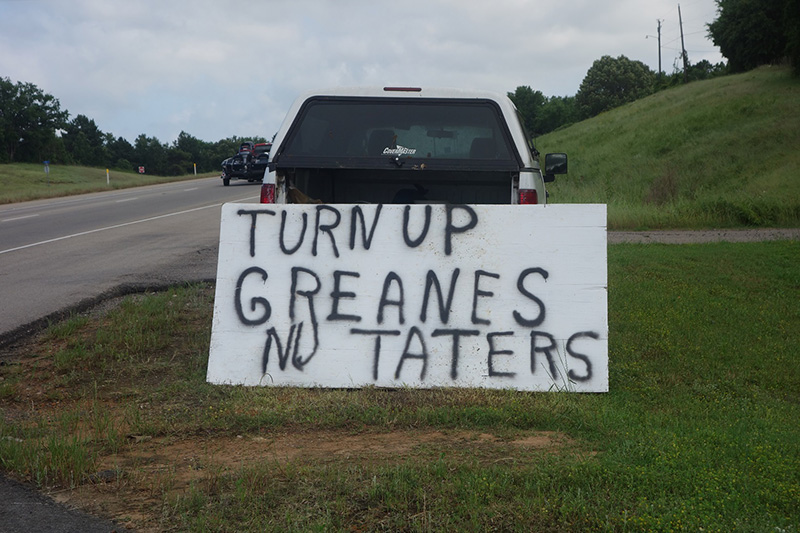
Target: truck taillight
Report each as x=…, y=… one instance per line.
x=528, y=196
x=268, y=193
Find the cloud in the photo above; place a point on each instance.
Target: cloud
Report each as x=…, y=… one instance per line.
x=220, y=68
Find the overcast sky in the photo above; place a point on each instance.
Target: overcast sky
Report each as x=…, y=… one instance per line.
x=218, y=68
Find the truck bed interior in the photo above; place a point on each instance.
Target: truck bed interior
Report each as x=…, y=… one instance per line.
x=402, y=186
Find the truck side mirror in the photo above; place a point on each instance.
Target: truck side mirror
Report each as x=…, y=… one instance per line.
x=554, y=164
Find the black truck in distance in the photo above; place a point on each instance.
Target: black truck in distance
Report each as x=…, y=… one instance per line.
x=406, y=145
x=249, y=163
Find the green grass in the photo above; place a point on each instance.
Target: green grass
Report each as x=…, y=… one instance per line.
x=698, y=432
x=711, y=154
x=21, y=182
x=716, y=153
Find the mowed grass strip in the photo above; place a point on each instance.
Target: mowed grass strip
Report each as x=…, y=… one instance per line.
x=698, y=432
x=25, y=181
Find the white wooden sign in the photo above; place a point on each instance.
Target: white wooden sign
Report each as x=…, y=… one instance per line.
x=509, y=296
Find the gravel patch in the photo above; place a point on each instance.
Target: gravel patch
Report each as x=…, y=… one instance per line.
x=702, y=236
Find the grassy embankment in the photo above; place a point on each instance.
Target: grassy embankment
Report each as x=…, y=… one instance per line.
x=698, y=432
x=717, y=153
x=21, y=182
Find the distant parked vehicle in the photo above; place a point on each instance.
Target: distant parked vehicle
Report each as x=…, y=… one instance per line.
x=249, y=163
x=260, y=159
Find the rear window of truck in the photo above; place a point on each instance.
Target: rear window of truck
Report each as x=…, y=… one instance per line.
x=341, y=132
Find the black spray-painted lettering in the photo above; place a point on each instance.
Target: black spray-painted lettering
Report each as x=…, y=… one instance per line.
x=254, y=302
x=377, y=353
x=282, y=356
x=413, y=243
x=493, y=352
x=326, y=228
x=307, y=293
x=366, y=239
x=306, y=284
x=338, y=294
x=292, y=346
x=391, y=278
x=299, y=340
x=572, y=374
x=254, y=215
x=481, y=293
x=459, y=219
x=282, y=239
x=432, y=281
x=550, y=352
x=423, y=354
x=456, y=334
x=533, y=322
x=450, y=229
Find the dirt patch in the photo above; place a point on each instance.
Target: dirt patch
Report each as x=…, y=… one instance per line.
x=131, y=485
x=135, y=485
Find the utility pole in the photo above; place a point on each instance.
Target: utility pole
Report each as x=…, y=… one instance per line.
x=659, y=46
x=683, y=49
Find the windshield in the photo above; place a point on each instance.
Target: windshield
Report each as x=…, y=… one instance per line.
x=370, y=132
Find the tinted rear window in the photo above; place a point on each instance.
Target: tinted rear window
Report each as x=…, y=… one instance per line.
x=335, y=132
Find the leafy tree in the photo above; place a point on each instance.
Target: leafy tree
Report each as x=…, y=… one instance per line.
x=541, y=114
x=29, y=119
x=85, y=142
x=529, y=104
x=704, y=70
x=179, y=162
x=557, y=111
x=221, y=150
x=751, y=33
x=190, y=145
x=611, y=82
x=151, y=154
x=120, y=152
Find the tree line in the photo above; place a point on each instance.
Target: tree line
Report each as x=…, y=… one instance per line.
x=749, y=33
x=609, y=83
x=34, y=128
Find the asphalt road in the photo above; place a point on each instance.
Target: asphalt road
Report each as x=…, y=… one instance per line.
x=64, y=254
x=67, y=253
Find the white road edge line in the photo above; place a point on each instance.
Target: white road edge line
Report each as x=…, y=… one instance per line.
x=112, y=227
x=18, y=218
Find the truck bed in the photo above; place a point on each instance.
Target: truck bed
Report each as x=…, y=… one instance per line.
x=404, y=186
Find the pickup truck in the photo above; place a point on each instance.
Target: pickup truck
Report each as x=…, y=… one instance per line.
x=406, y=145
x=249, y=163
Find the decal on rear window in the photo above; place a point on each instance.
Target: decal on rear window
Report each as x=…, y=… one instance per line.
x=400, y=150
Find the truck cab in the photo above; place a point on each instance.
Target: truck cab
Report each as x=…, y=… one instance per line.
x=405, y=145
